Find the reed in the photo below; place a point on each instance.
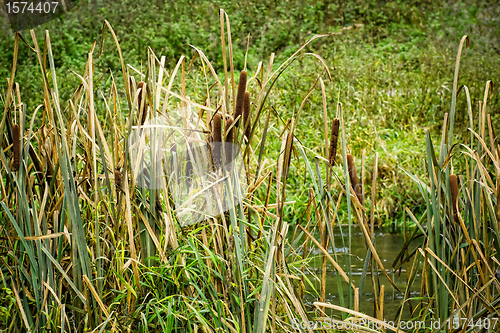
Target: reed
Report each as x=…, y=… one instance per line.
x=16, y=146
x=353, y=176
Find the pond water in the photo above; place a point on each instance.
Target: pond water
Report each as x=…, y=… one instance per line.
x=388, y=245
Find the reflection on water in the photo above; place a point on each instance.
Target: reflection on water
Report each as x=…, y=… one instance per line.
x=388, y=246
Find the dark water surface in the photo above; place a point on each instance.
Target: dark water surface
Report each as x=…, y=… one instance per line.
x=388, y=244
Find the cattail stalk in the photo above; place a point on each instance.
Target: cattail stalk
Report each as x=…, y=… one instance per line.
x=454, y=196
x=246, y=116
x=143, y=109
x=333, y=141
x=354, y=179
x=16, y=146
x=242, y=87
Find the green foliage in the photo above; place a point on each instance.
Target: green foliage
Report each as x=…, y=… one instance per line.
x=7, y=303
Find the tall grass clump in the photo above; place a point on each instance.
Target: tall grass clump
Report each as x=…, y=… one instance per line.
x=460, y=239
x=101, y=236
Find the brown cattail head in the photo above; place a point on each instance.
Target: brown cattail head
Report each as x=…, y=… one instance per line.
x=16, y=146
x=242, y=87
x=228, y=130
x=333, y=141
x=216, y=128
x=246, y=116
x=216, y=140
x=454, y=195
x=354, y=179
x=141, y=99
x=118, y=178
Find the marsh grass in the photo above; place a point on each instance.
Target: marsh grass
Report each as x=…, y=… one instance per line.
x=82, y=256
x=459, y=252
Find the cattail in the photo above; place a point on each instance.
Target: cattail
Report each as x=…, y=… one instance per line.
x=16, y=142
x=217, y=139
x=118, y=178
x=246, y=116
x=333, y=141
x=354, y=179
x=36, y=163
x=143, y=110
x=216, y=128
x=454, y=196
x=228, y=130
x=242, y=87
